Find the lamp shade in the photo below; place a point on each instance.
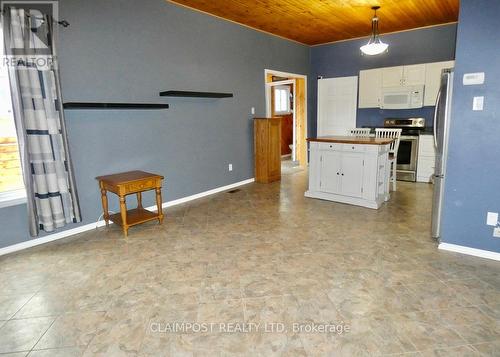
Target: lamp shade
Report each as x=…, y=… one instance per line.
x=374, y=48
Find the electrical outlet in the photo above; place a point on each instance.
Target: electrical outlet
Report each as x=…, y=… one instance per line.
x=230, y=167
x=496, y=232
x=492, y=219
x=478, y=103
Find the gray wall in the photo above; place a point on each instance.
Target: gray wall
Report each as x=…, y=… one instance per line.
x=126, y=50
x=344, y=58
x=472, y=184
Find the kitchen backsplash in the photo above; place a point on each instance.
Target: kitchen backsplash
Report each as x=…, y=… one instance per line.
x=373, y=117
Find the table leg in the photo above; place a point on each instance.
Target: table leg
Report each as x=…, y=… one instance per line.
x=104, y=199
x=123, y=212
x=139, y=200
x=158, y=205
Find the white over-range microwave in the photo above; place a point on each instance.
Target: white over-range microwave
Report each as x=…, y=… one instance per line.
x=407, y=97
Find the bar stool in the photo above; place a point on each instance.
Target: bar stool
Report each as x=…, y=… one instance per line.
x=393, y=150
x=360, y=132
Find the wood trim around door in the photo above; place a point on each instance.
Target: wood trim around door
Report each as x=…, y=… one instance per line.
x=300, y=109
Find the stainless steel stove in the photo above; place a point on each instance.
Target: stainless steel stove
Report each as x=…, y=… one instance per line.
x=406, y=167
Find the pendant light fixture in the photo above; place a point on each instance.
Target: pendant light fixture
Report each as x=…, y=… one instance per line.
x=374, y=46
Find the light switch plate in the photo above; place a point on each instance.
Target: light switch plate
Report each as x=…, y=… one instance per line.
x=253, y=110
x=478, y=103
x=496, y=232
x=492, y=219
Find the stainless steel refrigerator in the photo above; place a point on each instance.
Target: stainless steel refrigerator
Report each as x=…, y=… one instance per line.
x=442, y=117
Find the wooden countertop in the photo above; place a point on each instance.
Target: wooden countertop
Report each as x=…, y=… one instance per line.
x=352, y=140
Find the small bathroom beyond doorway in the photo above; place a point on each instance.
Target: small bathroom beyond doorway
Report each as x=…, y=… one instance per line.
x=286, y=100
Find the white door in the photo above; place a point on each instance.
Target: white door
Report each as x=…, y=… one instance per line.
x=370, y=83
x=352, y=174
x=392, y=76
x=330, y=171
x=414, y=75
x=337, y=105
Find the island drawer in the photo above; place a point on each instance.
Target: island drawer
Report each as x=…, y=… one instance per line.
x=354, y=147
x=329, y=146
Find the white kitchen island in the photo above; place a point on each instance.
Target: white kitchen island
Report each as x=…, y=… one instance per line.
x=349, y=170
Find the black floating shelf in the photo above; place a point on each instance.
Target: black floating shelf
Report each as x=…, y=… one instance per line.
x=181, y=93
x=90, y=105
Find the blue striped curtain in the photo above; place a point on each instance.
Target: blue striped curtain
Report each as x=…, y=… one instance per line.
x=38, y=113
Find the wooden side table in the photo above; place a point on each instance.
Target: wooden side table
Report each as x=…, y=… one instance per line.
x=127, y=183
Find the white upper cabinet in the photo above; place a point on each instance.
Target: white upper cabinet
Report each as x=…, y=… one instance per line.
x=392, y=76
x=370, y=85
x=401, y=76
x=433, y=79
x=414, y=75
x=372, y=81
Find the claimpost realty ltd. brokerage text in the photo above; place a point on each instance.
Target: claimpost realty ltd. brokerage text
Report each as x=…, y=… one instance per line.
x=248, y=327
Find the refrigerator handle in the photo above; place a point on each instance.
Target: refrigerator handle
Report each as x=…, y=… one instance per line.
x=436, y=108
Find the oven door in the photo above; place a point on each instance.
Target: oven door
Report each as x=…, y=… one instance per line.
x=407, y=158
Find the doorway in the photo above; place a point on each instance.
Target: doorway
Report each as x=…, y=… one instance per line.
x=286, y=97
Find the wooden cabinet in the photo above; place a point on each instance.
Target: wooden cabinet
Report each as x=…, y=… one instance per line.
x=370, y=88
x=356, y=174
x=433, y=80
x=267, y=149
x=426, y=161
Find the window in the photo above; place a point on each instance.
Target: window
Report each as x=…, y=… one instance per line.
x=282, y=100
x=11, y=179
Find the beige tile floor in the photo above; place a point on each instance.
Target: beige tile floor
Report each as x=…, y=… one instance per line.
x=262, y=255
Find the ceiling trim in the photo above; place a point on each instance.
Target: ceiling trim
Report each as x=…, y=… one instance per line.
x=237, y=23
x=385, y=33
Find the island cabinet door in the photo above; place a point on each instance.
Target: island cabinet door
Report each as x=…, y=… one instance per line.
x=330, y=171
x=352, y=174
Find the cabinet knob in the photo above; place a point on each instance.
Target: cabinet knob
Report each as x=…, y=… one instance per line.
x=342, y=174
x=338, y=173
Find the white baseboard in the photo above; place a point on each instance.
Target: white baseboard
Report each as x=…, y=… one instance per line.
x=203, y=194
x=469, y=251
x=87, y=227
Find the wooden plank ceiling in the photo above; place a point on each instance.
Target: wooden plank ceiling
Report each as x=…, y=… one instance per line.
x=314, y=22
